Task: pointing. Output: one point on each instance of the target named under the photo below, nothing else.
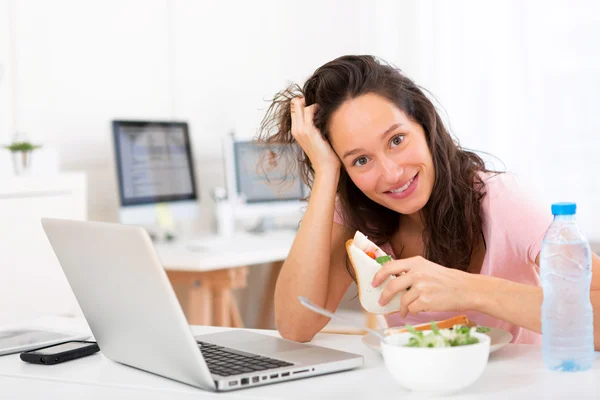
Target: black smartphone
(61, 352)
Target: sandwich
(366, 259)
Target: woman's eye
(361, 161)
(396, 140)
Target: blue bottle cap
(564, 208)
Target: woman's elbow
(294, 332)
(595, 299)
(296, 336)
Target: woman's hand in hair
(431, 287)
(318, 150)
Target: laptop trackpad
(252, 342)
(270, 346)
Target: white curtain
(517, 79)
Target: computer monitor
(256, 189)
(154, 166)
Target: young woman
(378, 159)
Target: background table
(210, 268)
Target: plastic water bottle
(566, 271)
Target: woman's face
(384, 152)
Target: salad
(458, 335)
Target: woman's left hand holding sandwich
(433, 288)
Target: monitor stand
(164, 222)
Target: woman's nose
(391, 170)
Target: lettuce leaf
(383, 259)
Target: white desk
(213, 253)
(210, 268)
(514, 372)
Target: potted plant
(21, 154)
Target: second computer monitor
(257, 188)
(259, 181)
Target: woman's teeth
(403, 188)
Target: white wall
(6, 58)
(80, 64)
(518, 79)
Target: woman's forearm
(520, 304)
(515, 303)
(305, 272)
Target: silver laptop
(136, 318)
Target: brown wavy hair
(452, 216)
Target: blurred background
(516, 79)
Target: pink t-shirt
(513, 228)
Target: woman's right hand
(318, 150)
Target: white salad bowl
(437, 369)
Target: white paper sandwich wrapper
(365, 269)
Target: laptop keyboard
(224, 361)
